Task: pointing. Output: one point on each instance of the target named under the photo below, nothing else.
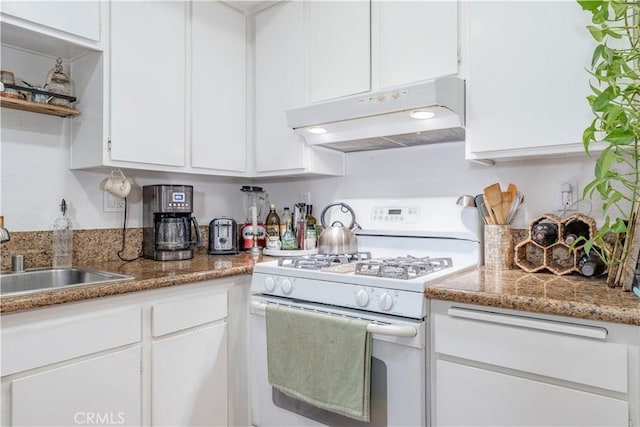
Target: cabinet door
(218, 82)
(80, 18)
(338, 48)
(414, 40)
(279, 86)
(189, 378)
(105, 390)
(471, 396)
(148, 57)
(527, 85)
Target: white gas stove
(403, 244)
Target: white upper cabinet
(280, 85)
(527, 84)
(413, 41)
(173, 90)
(148, 59)
(218, 87)
(358, 46)
(79, 18)
(338, 42)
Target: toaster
(223, 236)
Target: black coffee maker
(167, 218)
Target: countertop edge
(539, 305)
(10, 304)
(470, 286)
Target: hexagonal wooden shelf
(556, 256)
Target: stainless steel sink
(44, 279)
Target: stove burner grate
(317, 262)
(404, 268)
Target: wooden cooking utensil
(508, 199)
(491, 218)
(493, 199)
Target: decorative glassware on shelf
(59, 82)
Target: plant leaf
(603, 99)
(590, 5)
(621, 137)
(597, 32)
(597, 54)
(619, 227)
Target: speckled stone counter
(535, 292)
(147, 274)
(546, 293)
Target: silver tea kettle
(338, 239)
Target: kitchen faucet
(4, 233)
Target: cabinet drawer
(43, 343)
(554, 349)
(468, 396)
(178, 314)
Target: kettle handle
(345, 208)
(198, 241)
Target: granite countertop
(515, 289)
(148, 274)
(573, 296)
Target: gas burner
(317, 262)
(404, 268)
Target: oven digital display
(394, 212)
(177, 197)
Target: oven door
(398, 373)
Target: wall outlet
(569, 196)
(111, 203)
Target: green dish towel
(321, 359)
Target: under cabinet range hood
(422, 113)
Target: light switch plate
(111, 203)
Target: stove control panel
(338, 294)
(387, 214)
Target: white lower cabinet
(103, 390)
(202, 358)
(492, 366)
(157, 358)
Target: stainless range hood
(386, 119)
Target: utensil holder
(498, 247)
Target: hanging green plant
(615, 103)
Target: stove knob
(362, 298)
(385, 302)
(287, 286)
(269, 284)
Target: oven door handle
(407, 331)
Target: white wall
(439, 170)
(35, 176)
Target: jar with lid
(60, 83)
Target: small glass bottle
(272, 226)
(62, 239)
(311, 220)
(591, 265)
(289, 241)
(285, 219)
(545, 233)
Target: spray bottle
(62, 239)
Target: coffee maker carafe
(167, 218)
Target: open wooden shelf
(36, 107)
